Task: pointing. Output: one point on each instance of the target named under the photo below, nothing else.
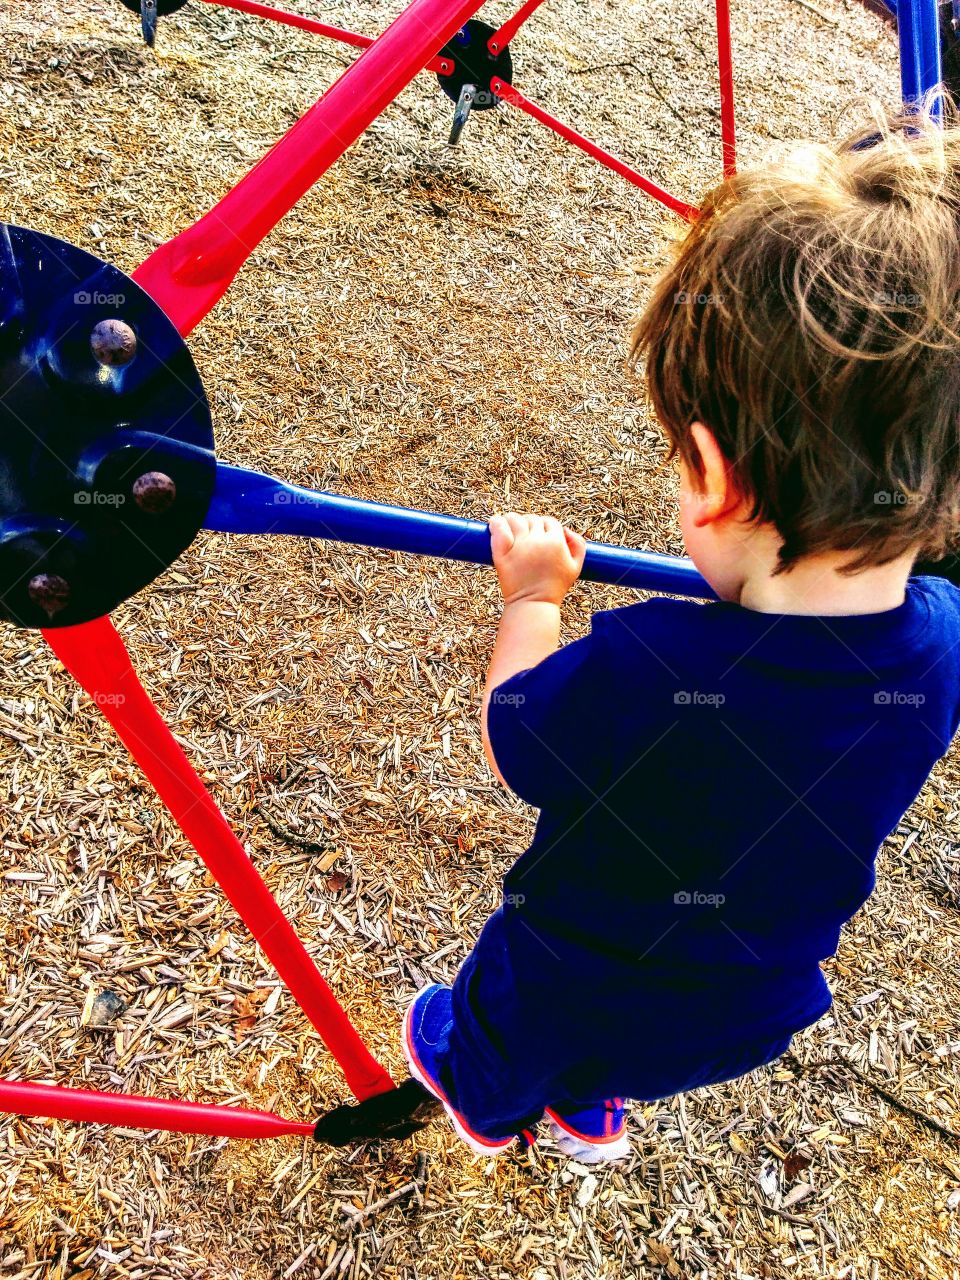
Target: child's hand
(535, 557)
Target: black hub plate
(473, 63)
(149, 10)
(81, 528)
(163, 6)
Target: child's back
(714, 780)
(714, 784)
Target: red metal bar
(512, 95)
(189, 274)
(725, 65)
(500, 39)
(296, 20)
(135, 1112)
(441, 66)
(95, 655)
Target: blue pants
(521, 1042)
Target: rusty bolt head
(154, 492)
(50, 592)
(113, 342)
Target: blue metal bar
(918, 30)
(251, 502)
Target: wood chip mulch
(442, 328)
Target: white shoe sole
(588, 1152)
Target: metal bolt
(113, 342)
(154, 492)
(494, 46)
(50, 592)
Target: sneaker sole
(482, 1146)
(615, 1146)
(590, 1153)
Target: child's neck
(816, 585)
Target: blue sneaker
(425, 1027)
(594, 1134)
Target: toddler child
(714, 780)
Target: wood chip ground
(442, 328)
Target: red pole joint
(501, 38)
(190, 274)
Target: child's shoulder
(660, 617)
(929, 619)
(657, 611)
(938, 604)
(941, 597)
(653, 638)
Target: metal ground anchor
(148, 12)
(148, 20)
(461, 112)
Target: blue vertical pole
(918, 29)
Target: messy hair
(811, 320)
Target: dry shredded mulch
(442, 328)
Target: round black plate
(163, 6)
(106, 444)
(473, 63)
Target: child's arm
(537, 562)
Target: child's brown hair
(812, 321)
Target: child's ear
(717, 494)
